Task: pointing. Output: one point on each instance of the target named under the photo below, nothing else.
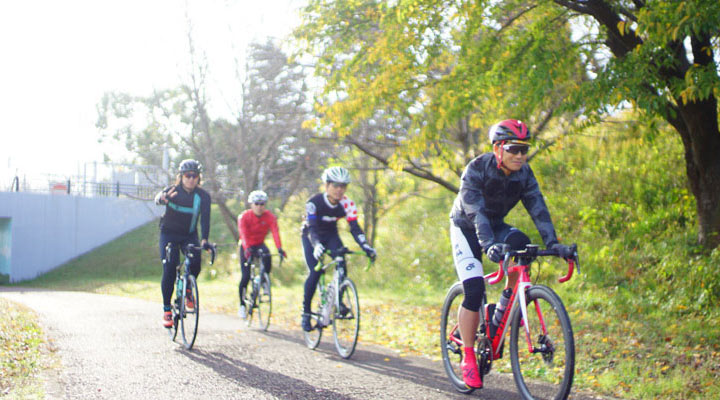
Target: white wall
(48, 230)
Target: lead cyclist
(491, 185)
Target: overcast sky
(59, 57)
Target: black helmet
(190, 165)
(510, 131)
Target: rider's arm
(311, 218)
(275, 231)
(472, 201)
(351, 214)
(534, 203)
(242, 230)
(204, 215)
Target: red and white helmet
(510, 131)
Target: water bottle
(179, 286)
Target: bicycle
(337, 304)
(260, 293)
(186, 307)
(551, 357)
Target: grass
(20, 352)
(627, 347)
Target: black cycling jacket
(184, 210)
(487, 195)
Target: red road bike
(542, 347)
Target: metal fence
(96, 180)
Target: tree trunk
(229, 218)
(701, 139)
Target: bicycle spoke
(346, 320)
(552, 359)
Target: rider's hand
(369, 251)
(318, 251)
(283, 254)
(205, 245)
(163, 197)
(496, 252)
(564, 251)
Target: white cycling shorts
(466, 265)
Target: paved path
(114, 348)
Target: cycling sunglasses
(190, 175)
(516, 148)
(338, 184)
(259, 203)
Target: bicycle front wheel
(552, 362)
(346, 319)
(189, 311)
(264, 302)
(452, 353)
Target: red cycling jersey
(253, 229)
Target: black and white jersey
(321, 218)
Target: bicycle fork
(522, 300)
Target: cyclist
(320, 232)
(185, 202)
(253, 226)
(491, 185)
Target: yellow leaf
(621, 27)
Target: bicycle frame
(321, 266)
(518, 298)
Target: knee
(474, 289)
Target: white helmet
(257, 196)
(336, 174)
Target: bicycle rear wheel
(346, 320)
(264, 302)
(553, 361)
(189, 311)
(452, 353)
(312, 338)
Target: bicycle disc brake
(547, 348)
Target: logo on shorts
(458, 253)
(470, 266)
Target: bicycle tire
(264, 302)
(312, 338)
(556, 366)
(190, 317)
(251, 303)
(173, 330)
(346, 328)
(452, 354)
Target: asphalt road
(114, 347)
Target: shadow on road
(276, 384)
(390, 365)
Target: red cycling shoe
(471, 375)
(167, 319)
(189, 301)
